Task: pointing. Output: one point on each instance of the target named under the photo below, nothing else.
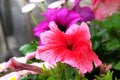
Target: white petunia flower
(72, 0)
(28, 8)
(36, 1)
(56, 4)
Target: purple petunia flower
(64, 17)
(85, 13)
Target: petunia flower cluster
(61, 40)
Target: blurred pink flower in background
(85, 13)
(3, 66)
(104, 8)
(17, 66)
(16, 75)
(11, 76)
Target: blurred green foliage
(107, 76)
(105, 36)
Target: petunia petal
(41, 27)
(82, 30)
(85, 13)
(48, 35)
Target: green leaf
(52, 77)
(117, 66)
(112, 45)
(24, 77)
(107, 76)
(27, 48)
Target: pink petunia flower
(17, 66)
(104, 8)
(16, 75)
(11, 76)
(3, 66)
(72, 47)
(30, 55)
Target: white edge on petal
(20, 59)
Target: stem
(33, 19)
(58, 70)
(66, 72)
(66, 4)
(77, 75)
(41, 6)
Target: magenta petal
(71, 18)
(85, 13)
(41, 27)
(64, 18)
(50, 14)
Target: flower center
(62, 28)
(1, 68)
(70, 46)
(13, 78)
